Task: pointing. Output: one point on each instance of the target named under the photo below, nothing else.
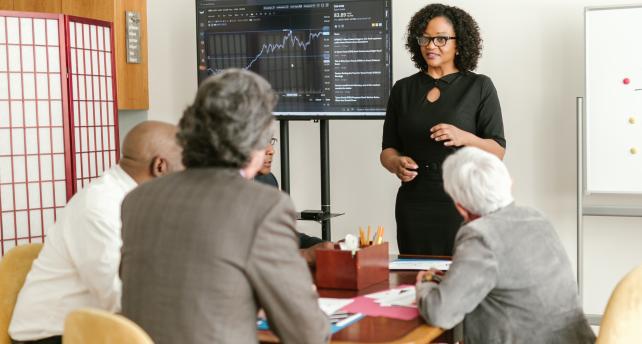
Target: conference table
(380, 329)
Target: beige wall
(534, 54)
(172, 62)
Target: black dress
(427, 220)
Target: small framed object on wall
(133, 37)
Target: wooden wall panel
(95, 9)
(133, 89)
(6, 5)
(49, 6)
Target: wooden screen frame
(75, 164)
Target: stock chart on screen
(324, 59)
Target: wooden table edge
(423, 334)
(420, 335)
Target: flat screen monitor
(325, 59)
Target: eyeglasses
(438, 41)
(273, 141)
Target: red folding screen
(93, 99)
(54, 136)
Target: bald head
(150, 150)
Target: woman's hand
(450, 135)
(404, 168)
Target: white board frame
(601, 146)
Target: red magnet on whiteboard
(626, 81)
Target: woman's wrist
(391, 163)
(388, 160)
(471, 140)
(488, 145)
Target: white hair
(477, 180)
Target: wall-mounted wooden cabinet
(133, 89)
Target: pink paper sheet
(367, 306)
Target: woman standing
(431, 113)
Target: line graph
(294, 41)
(291, 60)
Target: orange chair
(622, 321)
(14, 268)
(100, 327)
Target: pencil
(376, 237)
(368, 235)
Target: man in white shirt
(78, 265)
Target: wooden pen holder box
(337, 269)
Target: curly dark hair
(230, 118)
(469, 42)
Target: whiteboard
(613, 122)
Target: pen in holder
(364, 240)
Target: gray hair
(477, 180)
(230, 118)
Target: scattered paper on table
(419, 264)
(405, 299)
(329, 305)
(404, 296)
(390, 293)
(397, 303)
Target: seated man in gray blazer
(204, 248)
(510, 280)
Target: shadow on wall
(127, 120)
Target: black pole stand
(284, 131)
(325, 179)
(324, 216)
